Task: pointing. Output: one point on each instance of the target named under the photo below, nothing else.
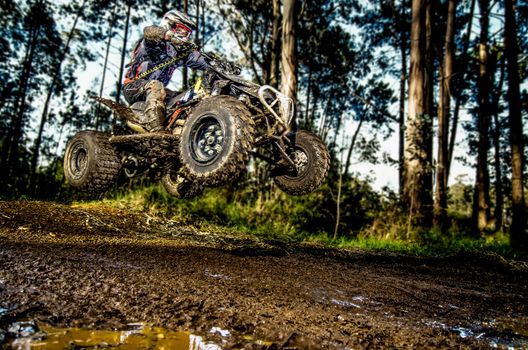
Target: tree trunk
(308, 96)
(44, 116)
(352, 144)
(462, 73)
(185, 71)
(499, 201)
(417, 179)
(103, 78)
(275, 44)
(20, 106)
(446, 71)
(481, 200)
(289, 52)
(401, 119)
(123, 53)
(518, 237)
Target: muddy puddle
(498, 333)
(38, 336)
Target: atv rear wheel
(178, 186)
(312, 161)
(91, 164)
(216, 141)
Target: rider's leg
(155, 106)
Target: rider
(162, 49)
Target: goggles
(182, 31)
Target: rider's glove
(178, 42)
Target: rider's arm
(154, 34)
(195, 60)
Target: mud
(96, 269)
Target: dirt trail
(104, 268)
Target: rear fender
(123, 111)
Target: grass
(291, 221)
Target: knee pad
(155, 90)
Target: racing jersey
(153, 50)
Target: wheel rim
(300, 159)
(207, 141)
(79, 160)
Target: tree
(41, 50)
(518, 236)
(417, 178)
(55, 76)
(481, 199)
(446, 72)
(289, 51)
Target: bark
(308, 96)
(103, 78)
(338, 205)
(518, 237)
(481, 200)
(246, 49)
(185, 72)
(417, 191)
(446, 71)
(352, 144)
(49, 95)
(289, 52)
(13, 139)
(401, 119)
(275, 44)
(123, 53)
(462, 73)
(499, 201)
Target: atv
(211, 131)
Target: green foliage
(376, 222)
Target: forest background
(424, 72)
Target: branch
(371, 105)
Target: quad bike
(210, 133)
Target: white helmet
(174, 18)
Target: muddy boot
(154, 114)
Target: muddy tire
(91, 164)
(216, 141)
(312, 159)
(178, 186)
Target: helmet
(179, 23)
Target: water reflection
(137, 336)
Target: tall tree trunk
(103, 78)
(20, 105)
(417, 179)
(481, 200)
(401, 119)
(462, 72)
(308, 96)
(499, 201)
(275, 44)
(518, 237)
(54, 79)
(123, 53)
(198, 24)
(289, 52)
(352, 144)
(446, 71)
(185, 71)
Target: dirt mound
(96, 267)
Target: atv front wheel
(178, 186)
(216, 141)
(91, 164)
(312, 160)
